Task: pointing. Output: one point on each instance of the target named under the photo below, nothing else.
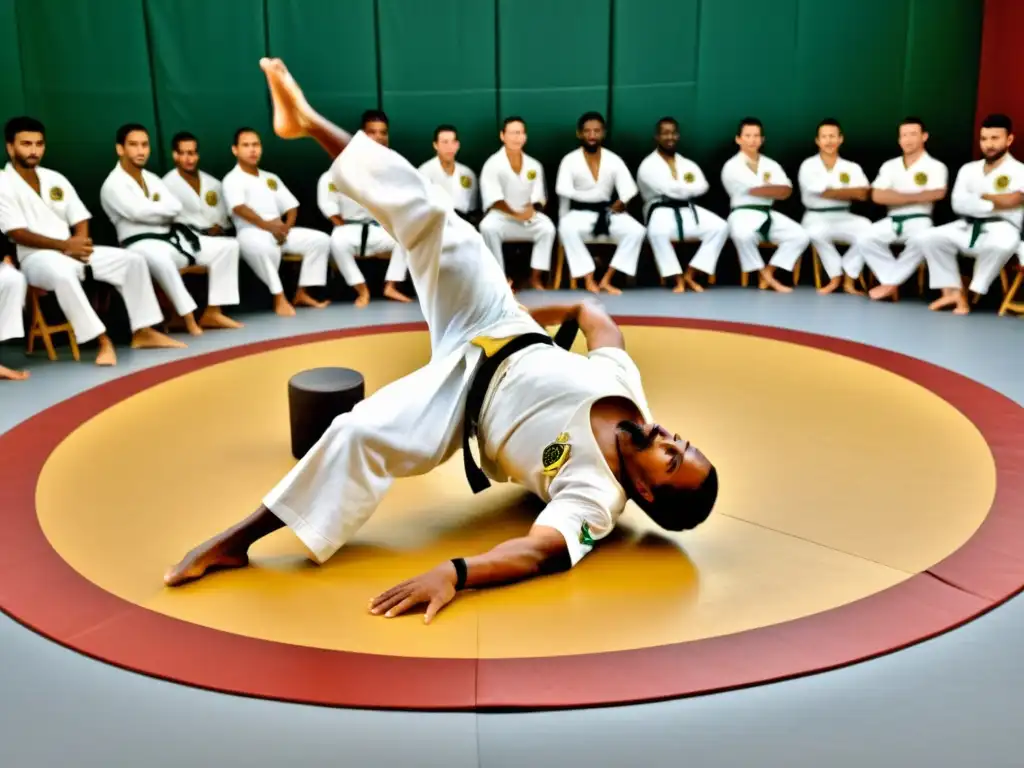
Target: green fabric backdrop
(86, 67)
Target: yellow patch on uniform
(555, 455)
(332, 187)
(272, 183)
(466, 182)
(531, 175)
(920, 178)
(689, 178)
(211, 199)
(1003, 182)
(767, 176)
(844, 178)
(56, 194)
(156, 197)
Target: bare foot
(283, 307)
(9, 375)
(880, 292)
(148, 338)
(191, 325)
(106, 355)
(680, 286)
(608, 288)
(947, 300)
(767, 280)
(392, 292)
(292, 113)
(303, 299)
(214, 555)
(833, 284)
(691, 281)
(850, 286)
(537, 282)
(215, 318)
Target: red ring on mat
(40, 590)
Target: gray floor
(953, 701)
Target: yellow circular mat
(839, 480)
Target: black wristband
(460, 572)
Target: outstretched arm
(597, 326)
(543, 550)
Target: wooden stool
(40, 329)
(316, 398)
(1009, 305)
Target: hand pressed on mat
(436, 587)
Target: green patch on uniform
(585, 537)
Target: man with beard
(513, 195)
(669, 183)
(573, 429)
(594, 186)
(264, 212)
(143, 211)
(455, 178)
(828, 186)
(48, 222)
(988, 195)
(356, 234)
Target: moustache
(636, 434)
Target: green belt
(978, 226)
(174, 237)
(897, 221)
(765, 228)
(676, 205)
(834, 208)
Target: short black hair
(22, 124)
(669, 120)
(998, 120)
(443, 128)
(512, 119)
(127, 128)
(749, 121)
(373, 116)
(681, 509)
(240, 131)
(181, 136)
(829, 121)
(586, 117)
(914, 120)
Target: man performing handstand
(574, 430)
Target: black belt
(481, 381)
(676, 205)
(603, 211)
(174, 237)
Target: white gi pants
(218, 254)
(414, 424)
(345, 242)
(263, 255)
(125, 270)
(13, 290)
(790, 238)
(873, 248)
(662, 231)
(825, 227)
(498, 227)
(575, 230)
(993, 249)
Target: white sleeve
(619, 363)
(134, 207)
(76, 210)
(734, 185)
(625, 186)
(563, 181)
(11, 216)
(857, 177)
(540, 191)
(490, 185)
(808, 181)
(170, 202)
(779, 176)
(699, 186)
(580, 520)
(474, 191)
(968, 203)
(326, 198)
(285, 199)
(884, 179)
(222, 212)
(234, 191)
(941, 176)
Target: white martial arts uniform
(202, 210)
(135, 211)
(990, 236)
(13, 290)
(268, 197)
(745, 223)
(659, 183)
(576, 227)
(498, 182)
(412, 425)
(347, 238)
(461, 185)
(903, 223)
(825, 220)
(52, 213)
